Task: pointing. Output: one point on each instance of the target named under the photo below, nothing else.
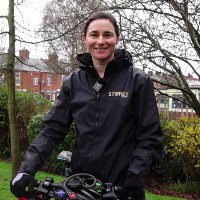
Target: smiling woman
(101, 40)
(118, 133)
(101, 35)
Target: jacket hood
(122, 57)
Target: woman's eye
(93, 35)
(108, 35)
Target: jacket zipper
(96, 124)
(97, 114)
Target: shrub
(35, 126)
(180, 162)
(170, 168)
(52, 164)
(188, 188)
(164, 121)
(183, 137)
(4, 123)
(26, 106)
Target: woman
(113, 106)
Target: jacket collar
(122, 58)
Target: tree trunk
(14, 135)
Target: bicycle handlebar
(76, 187)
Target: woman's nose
(100, 40)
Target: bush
(184, 143)
(26, 106)
(4, 123)
(176, 157)
(35, 126)
(170, 168)
(188, 188)
(52, 165)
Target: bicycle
(80, 186)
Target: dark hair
(101, 15)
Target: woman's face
(101, 40)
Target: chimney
(158, 74)
(190, 76)
(53, 59)
(150, 73)
(24, 54)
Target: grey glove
(19, 183)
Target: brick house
(40, 76)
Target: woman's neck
(100, 67)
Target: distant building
(174, 107)
(40, 76)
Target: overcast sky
(28, 15)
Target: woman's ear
(117, 41)
(84, 40)
(85, 43)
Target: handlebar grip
(56, 185)
(75, 197)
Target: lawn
(5, 175)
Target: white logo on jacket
(118, 94)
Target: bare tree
(163, 36)
(62, 26)
(15, 148)
(7, 63)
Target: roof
(32, 65)
(194, 83)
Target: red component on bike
(73, 196)
(39, 197)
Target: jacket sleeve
(149, 136)
(55, 127)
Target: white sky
(28, 15)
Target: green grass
(5, 176)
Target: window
(48, 95)
(176, 104)
(53, 98)
(162, 98)
(49, 79)
(178, 101)
(42, 92)
(62, 77)
(35, 80)
(17, 79)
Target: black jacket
(118, 127)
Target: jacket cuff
(134, 181)
(22, 170)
